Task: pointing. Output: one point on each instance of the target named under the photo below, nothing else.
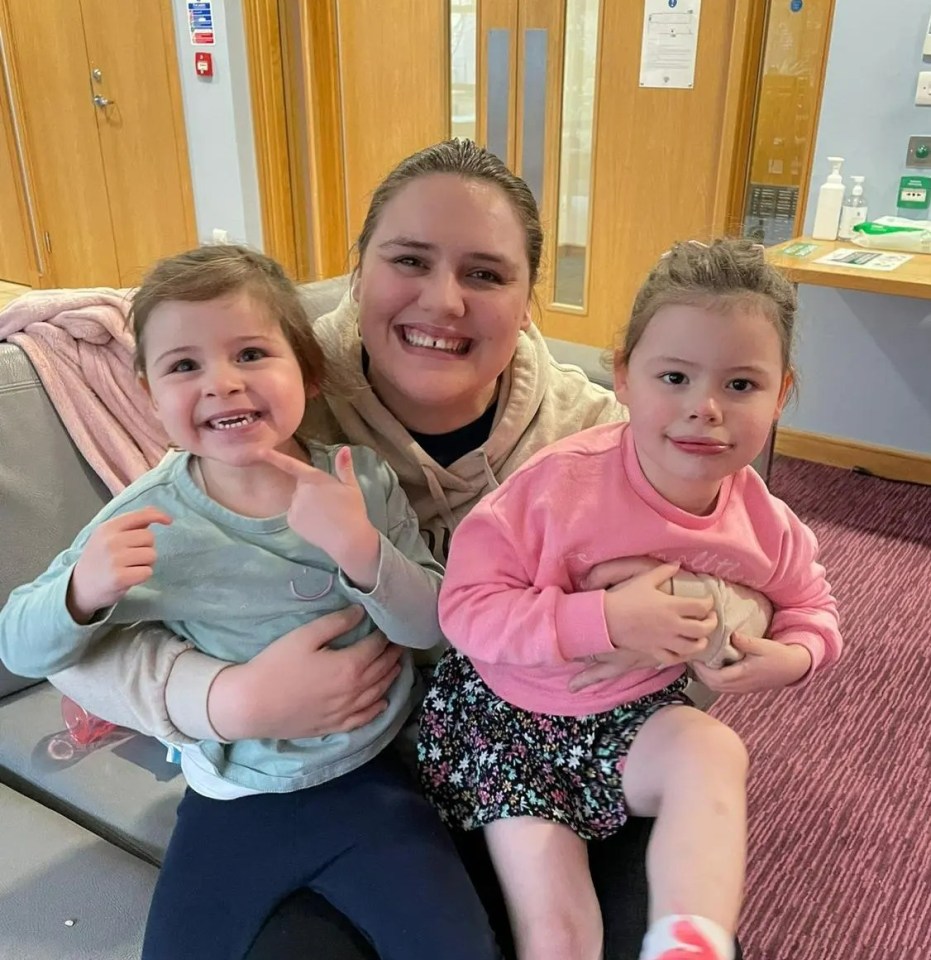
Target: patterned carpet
(840, 794)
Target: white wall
(218, 119)
(864, 359)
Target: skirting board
(885, 462)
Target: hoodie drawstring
(439, 497)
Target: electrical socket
(220, 236)
(923, 90)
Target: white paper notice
(670, 41)
(864, 259)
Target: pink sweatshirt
(510, 602)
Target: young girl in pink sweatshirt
(704, 368)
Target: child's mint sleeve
(37, 633)
(403, 602)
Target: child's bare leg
(689, 771)
(543, 869)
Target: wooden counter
(911, 279)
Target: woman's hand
(609, 666)
(298, 687)
(641, 616)
(611, 573)
(767, 665)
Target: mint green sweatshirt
(231, 585)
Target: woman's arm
(147, 679)
(125, 675)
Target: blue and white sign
(200, 21)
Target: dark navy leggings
(367, 842)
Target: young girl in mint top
(705, 371)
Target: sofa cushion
(322, 296)
(125, 791)
(47, 490)
(54, 872)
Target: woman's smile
(434, 340)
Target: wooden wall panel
(394, 79)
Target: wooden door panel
(142, 137)
(16, 258)
(658, 161)
(47, 52)
(394, 81)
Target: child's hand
(119, 554)
(767, 665)
(330, 513)
(641, 616)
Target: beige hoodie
(539, 401)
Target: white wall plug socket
(222, 236)
(923, 92)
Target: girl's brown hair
(728, 274)
(465, 159)
(217, 270)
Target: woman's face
(443, 292)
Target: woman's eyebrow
(409, 243)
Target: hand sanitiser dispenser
(853, 210)
(830, 202)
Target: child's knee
(562, 934)
(714, 744)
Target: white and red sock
(685, 937)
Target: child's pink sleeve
(492, 610)
(806, 610)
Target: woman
(435, 363)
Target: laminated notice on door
(670, 42)
(200, 21)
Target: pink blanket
(82, 350)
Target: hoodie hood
(538, 402)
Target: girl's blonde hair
(729, 274)
(217, 270)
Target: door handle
(102, 101)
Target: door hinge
(48, 243)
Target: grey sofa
(80, 840)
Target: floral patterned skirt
(482, 759)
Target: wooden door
(661, 168)
(16, 255)
(131, 47)
(46, 49)
(394, 84)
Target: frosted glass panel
(575, 155)
(463, 17)
(784, 128)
